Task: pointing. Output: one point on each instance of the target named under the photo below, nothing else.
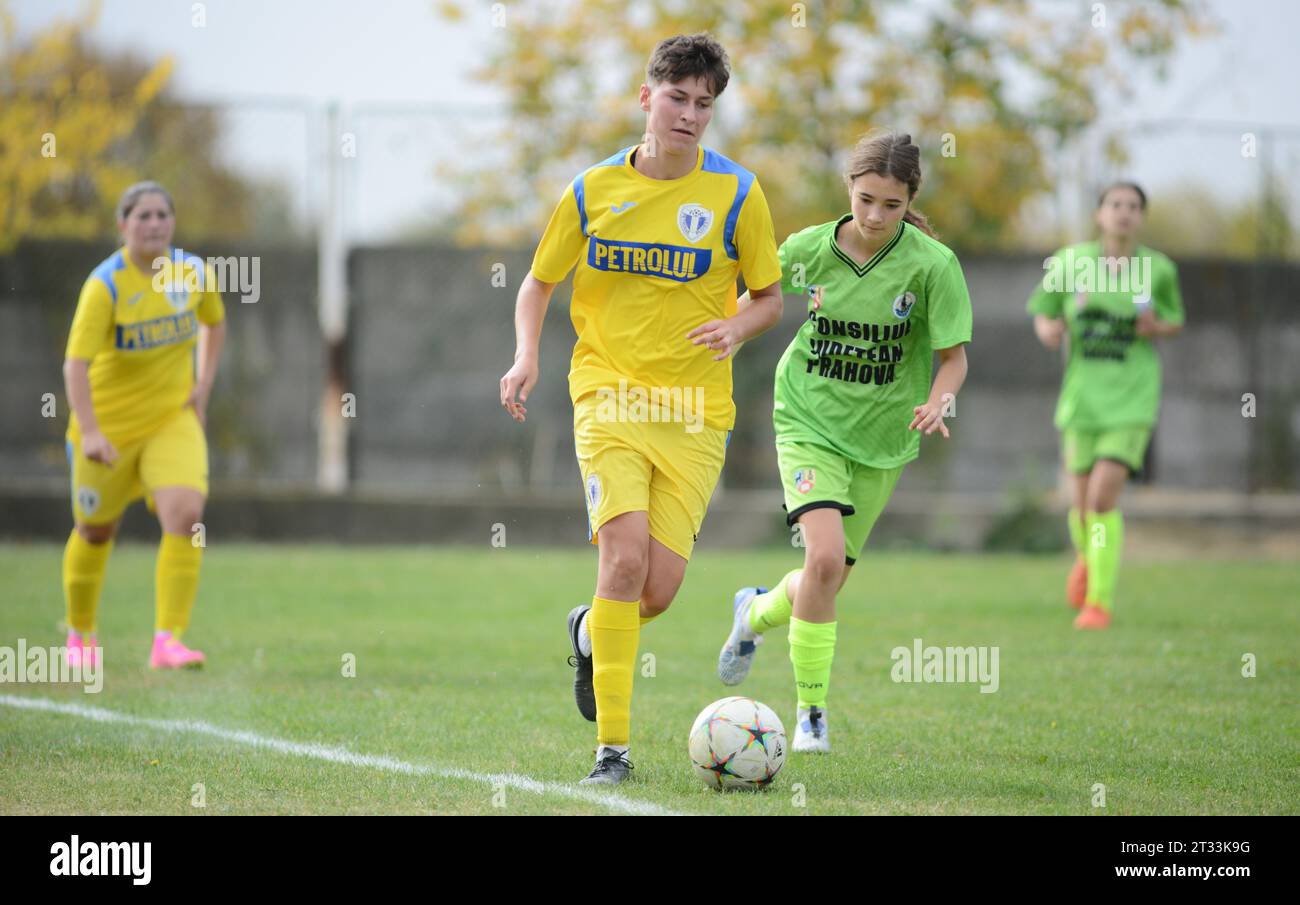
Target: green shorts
(1126, 445)
(814, 477)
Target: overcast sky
(269, 62)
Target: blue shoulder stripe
(716, 163)
(579, 184)
(104, 272)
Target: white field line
(338, 755)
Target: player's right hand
(96, 448)
(1049, 330)
(520, 379)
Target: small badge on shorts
(804, 479)
(593, 491)
(903, 305)
(87, 499)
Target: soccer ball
(737, 743)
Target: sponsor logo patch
(804, 479)
(903, 305)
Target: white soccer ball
(737, 743)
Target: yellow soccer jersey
(657, 258)
(140, 341)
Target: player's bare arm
(211, 340)
(758, 311)
(530, 310)
(1049, 330)
(947, 383)
(76, 382)
(1151, 327)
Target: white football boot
(811, 734)
(737, 653)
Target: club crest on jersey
(817, 294)
(804, 479)
(179, 297)
(903, 305)
(694, 221)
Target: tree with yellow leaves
(987, 88)
(77, 127)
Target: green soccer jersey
(1112, 377)
(862, 359)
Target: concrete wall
(431, 337)
(427, 363)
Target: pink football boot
(81, 650)
(169, 653)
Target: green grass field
(461, 675)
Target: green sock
(1105, 543)
(812, 648)
(773, 608)
(1076, 530)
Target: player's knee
(181, 518)
(624, 566)
(655, 600)
(1099, 503)
(658, 596)
(97, 534)
(823, 567)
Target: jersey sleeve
(756, 242)
(562, 242)
(211, 309)
(794, 265)
(948, 307)
(1048, 302)
(783, 258)
(1166, 296)
(93, 322)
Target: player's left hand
(720, 336)
(1146, 324)
(199, 402)
(929, 418)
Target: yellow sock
(615, 629)
(83, 576)
(177, 582)
(645, 619)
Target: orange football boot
(1092, 616)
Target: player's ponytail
(919, 220)
(892, 155)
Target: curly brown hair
(688, 56)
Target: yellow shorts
(175, 455)
(657, 467)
